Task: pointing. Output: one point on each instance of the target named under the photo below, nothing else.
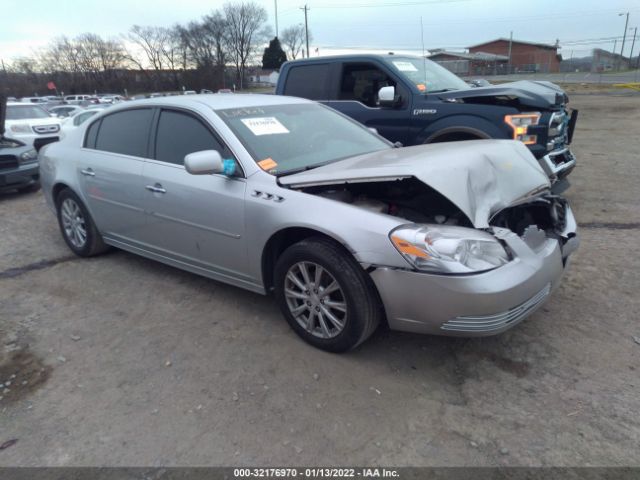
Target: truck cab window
(362, 81)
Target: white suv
(76, 99)
(31, 124)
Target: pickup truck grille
(46, 129)
(8, 161)
(560, 130)
(558, 124)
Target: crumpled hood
(480, 177)
(536, 94)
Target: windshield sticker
(422, 87)
(405, 66)
(264, 126)
(241, 112)
(267, 164)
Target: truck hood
(535, 94)
(480, 177)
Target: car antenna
(424, 58)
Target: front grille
(490, 323)
(8, 161)
(46, 129)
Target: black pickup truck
(412, 100)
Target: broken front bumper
(558, 164)
(479, 304)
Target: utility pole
(510, 43)
(276, 5)
(624, 36)
(306, 26)
(633, 43)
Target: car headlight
(21, 128)
(29, 156)
(448, 249)
(520, 124)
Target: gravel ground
(119, 360)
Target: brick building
(525, 56)
(467, 64)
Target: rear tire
(77, 227)
(325, 295)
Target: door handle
(157, 188)
(88, 172)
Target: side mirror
(203, 163)
(387, 97)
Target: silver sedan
(285, 196)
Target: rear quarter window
(308, 81)
(91, 135)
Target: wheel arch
(280, 241)
(457, 133)
(57, 188)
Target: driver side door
(194, 220)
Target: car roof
(353, 56)
(22, 104)
(214, 101)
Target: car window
(362, 81)
(426, 75)
(180, 134)
(24, 112)
(286, 138)
(92, 134)
(81, 117)
(308, 81)
(125, 132)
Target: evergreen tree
(274, 55)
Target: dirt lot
(120, 360)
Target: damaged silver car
(285, 196)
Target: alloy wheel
(73, 223)
(315, 299)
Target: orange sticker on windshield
(267, 164)
(422, 87)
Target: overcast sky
(338, 26)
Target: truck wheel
(77, 227)
(325, 295)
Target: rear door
(356, 95)
(110, 172)
(194, 219)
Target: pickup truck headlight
(21, 128)
(520, 124)
(448, 249)
(29, 156)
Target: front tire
(325, 295)
(77, 227)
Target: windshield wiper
(444, 90)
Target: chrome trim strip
(497, 321)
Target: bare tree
(151, 43)
(293, 39)
(245, 33)
(206, 43)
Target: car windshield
(287, 138)
(427, 76)
(24, 112)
